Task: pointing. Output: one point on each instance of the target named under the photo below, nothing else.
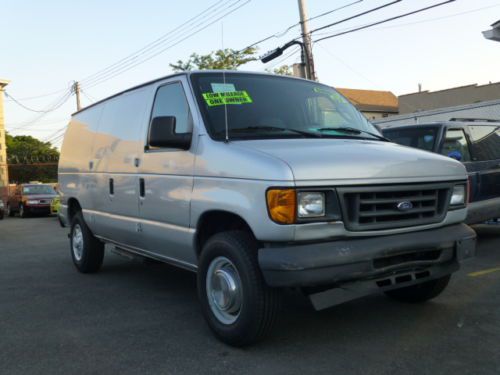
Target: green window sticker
(224, 98)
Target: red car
(31, 199)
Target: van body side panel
(117, 146)
(75, 162)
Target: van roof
(187, 73)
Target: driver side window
(170, 100)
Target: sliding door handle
(142, 188)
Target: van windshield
(266, 106)
(423, 138)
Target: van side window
(485, 142)
(455, 145)
(170, 100)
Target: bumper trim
(352, 259)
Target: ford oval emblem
(404, 206)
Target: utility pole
(76, 89)
(306, 39)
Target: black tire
(1, 215)
(90, 258)
(420, 292)
(22, 212)
(260, 303)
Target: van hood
(354, 159)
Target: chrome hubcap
(224, 290)
(77, 242)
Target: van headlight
(310, 204)
(458, 196)
(289, 206)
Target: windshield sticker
(221, 98)
(223, 87)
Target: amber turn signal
(282, 205)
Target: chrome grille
(394, 206)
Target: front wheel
(420, 292)
(237, 304)
(87, 251)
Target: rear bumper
(38, 209)
(374, 258)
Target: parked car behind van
(258, 183)
(475, 143)
(29, 199)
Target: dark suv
(474, 142)
(31, 199)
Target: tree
(285, 70)
(30, 159)
(229, 59)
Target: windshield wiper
(276, 128)
(348, 129)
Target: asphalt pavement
(143, 318)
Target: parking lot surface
(142, 318)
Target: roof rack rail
(469, 119)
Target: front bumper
(421, 255)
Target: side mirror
(162, 134)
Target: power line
(356, 16)
(152, 44)
(88, 96)
(332, 11)
(384, 21)
(282, 33)
(438, 18)
(120, 71)
(55, 105)
(41, 96)
(153, 53)
(22, 105)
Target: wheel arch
(73, 208)
(217, 221)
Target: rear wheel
(237, 304)
(420, 292)
(87, 251)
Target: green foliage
(24, 156)
(284, 70)
(229, 59)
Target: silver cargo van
(258, 183)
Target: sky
(46, 45)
